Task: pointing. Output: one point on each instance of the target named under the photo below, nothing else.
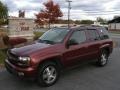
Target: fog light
(20, 73)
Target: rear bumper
(22, 72)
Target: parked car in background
(58, 49)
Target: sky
(80, 9)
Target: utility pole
(69, 8)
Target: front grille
(12, 57)
(10, 69)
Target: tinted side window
(78, 36)
(104, 33)
(93, 35)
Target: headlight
(24, 61)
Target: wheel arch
(105, 47)
(56, 60)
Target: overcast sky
(81, 9)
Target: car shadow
(67, 76)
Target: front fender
(36, 60)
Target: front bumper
(22, 72)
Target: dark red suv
(57, 49)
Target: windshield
(53, 36)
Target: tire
(103, 59)
(48, 74)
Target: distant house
(114, 25)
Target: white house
(114, 25)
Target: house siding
(114, 27)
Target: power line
(93, 14)
(94, 10)
(88, 12)
(100, 11)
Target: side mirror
(72, 42)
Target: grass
(115, 32)
(2, 56)
(38, 34)
(2, 52)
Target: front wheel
(48, 74)
(103, 60)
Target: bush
(17, 40)
(6, 40)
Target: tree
(116, 17)
(50, 14)
(3, 13)
(101, 20)
(77, 22)
(87, 22)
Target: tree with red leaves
(50, 14)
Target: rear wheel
(48, 74)
(103, 60)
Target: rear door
(93, 39)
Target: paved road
(116, 38)
(115, 35)
(86, 77)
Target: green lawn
(2, 53)
(2, 57)
(115, 32)
(38, 34)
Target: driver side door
(77, 52)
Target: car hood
(27, 50)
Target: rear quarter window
(103, 33)
(93, 35)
